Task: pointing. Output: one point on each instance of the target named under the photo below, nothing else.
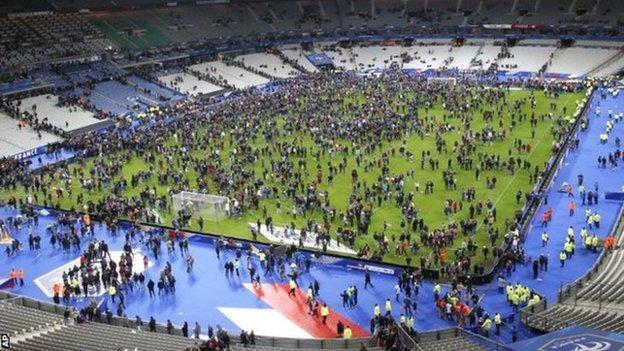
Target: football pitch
(401, 157)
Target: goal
(209, 207)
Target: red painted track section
(295, 308)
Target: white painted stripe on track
(264, 321)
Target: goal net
(209, 207)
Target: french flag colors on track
(295, 308)
(264, 321)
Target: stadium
(311, 175)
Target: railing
(546, 323)
(406, 339)
(482, 341)
(527, 312)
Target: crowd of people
(346, 127)
(253, 159)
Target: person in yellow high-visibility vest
(324, 313)
(562, 258)
(594, 242)
(486, 326)
(588, 242)
(377, 310)
(410, 323)
(532, 301)
(388, 305)
(347, 334)
(509, 289)
(568, 249)
(112, 292)
(498, 321)
(596, 217)
(515, 301)
(544, 239)
(436, 291)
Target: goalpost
(209, 207)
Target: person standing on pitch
(367, 279)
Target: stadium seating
(96, 71)
(453, 339)
(15, 139)
(283, 344)
(188, 84)
(429, 55)
(487, 55)
(30, 39)
(526, 58)
(100, 101)
(68, 118)
(577, 61)
(123, 97)
(33, 329)
(162, 94)
(16, 320)
(62, 55)
(232, 75)
(269, 348)
(611, 66)
(562, 316)
(341, 57)
(368, 57)
(95, 336)
(463, 56)
(298, 56)
(270, 64)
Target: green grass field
(430, 206)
